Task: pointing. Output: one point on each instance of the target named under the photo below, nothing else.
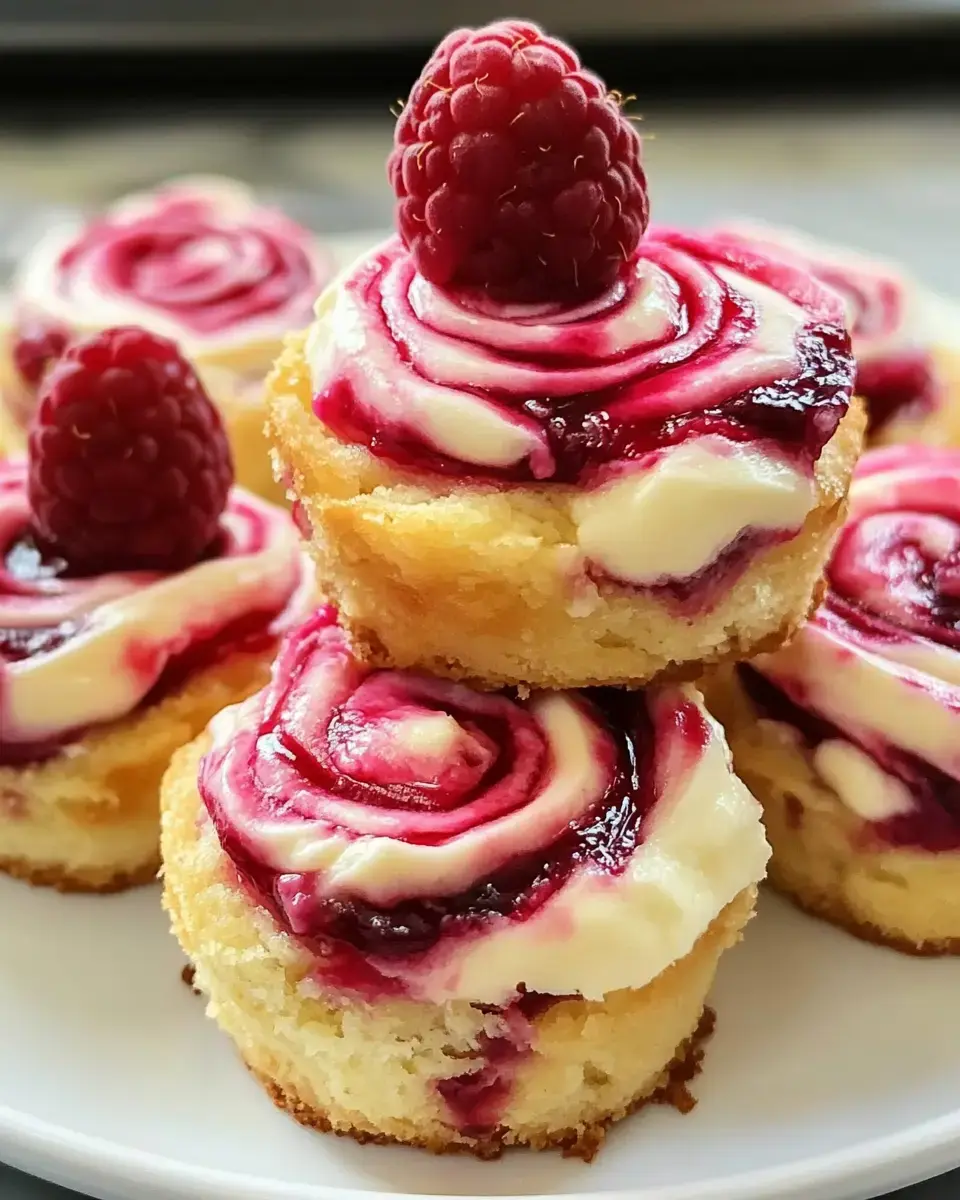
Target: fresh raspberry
(129, 466)
(515, 170)
(36, 346)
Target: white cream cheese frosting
(341, 790)
(114, 635)
(671, 519)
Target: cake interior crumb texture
(88, 818)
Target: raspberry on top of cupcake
(849, 734)
(135, 581)
(637, 417)
(491, 891)
(197, 260)
(905, 338)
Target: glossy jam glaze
(701, 335)
(889, 317)
(399, 825)
(196, 260)
(877, 669)
(80, 652)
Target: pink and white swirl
(428, 839)
(891, 320)
(76, 653)
(873, 680)
(199, 261)
(700, 335)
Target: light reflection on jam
(24, 563)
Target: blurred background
(842, 116)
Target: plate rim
(866, 1169)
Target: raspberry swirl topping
(692, 337)
(872, 682)
(889, 317)
(79, 652)
(426, 839)
(706, 359)
(196, 260)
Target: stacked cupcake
(461, 874)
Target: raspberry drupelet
(139, 594)
(37, 348)
(538, 443)
(515, 170)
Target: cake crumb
(188, 975)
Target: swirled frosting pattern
(708, 360)
(80, 652)
(699, 334)
(890, 319)
(427, 839)
(872, 682)
(197, 260)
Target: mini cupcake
(535, 446)
(906, 339)
(849, 735)
(452, 918)
(139, 594)
(197, 260)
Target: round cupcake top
(679, 416)
(873, 680)
(427, 839)
(198, 260)
(889, 316)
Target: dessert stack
(461, 874)
(455, 854)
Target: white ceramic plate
(834, 1074)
